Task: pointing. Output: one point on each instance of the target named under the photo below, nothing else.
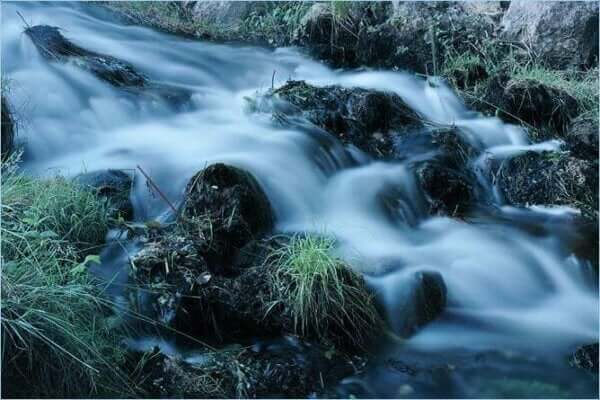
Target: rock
(8, 128)
(112, 184)
(563, 34)
(586, 357)
(364, 118)
(420, 298)
(225, 14)
(582, 138)
(549, 178)
(285, 368)
(235, 206)
(447, 181)
(53, 46)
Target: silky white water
(507, 288)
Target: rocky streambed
(283, 229)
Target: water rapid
(508, 289)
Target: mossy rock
(229, 207)
(549, 178)
(367, 119)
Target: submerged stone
(420, 299)
(586, 357)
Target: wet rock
(364, 118)
(53, 46)
(112, 184)
(563, 34)
(229, 207)
(549, 178)
(447, 181)
(586, 357)
(8, 128)
(420, 299)
(582, 139)
(276, 369)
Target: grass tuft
(326, 297)
(55, 339)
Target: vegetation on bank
(269, 23)
(56, 340)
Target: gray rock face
(227, 13)
(561, 33)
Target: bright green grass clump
(326, 297)
(55, 340)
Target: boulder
(229, 207)
(364, 118)
(561, 33)
(8, 128)
(586, 357)
(113, 185)
(549, 178)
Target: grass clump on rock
(325, 297)
(55, 340)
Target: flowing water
(520, 297)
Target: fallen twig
(155, 187)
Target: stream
(518, 303)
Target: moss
(55, 339)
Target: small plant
(326, 298)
